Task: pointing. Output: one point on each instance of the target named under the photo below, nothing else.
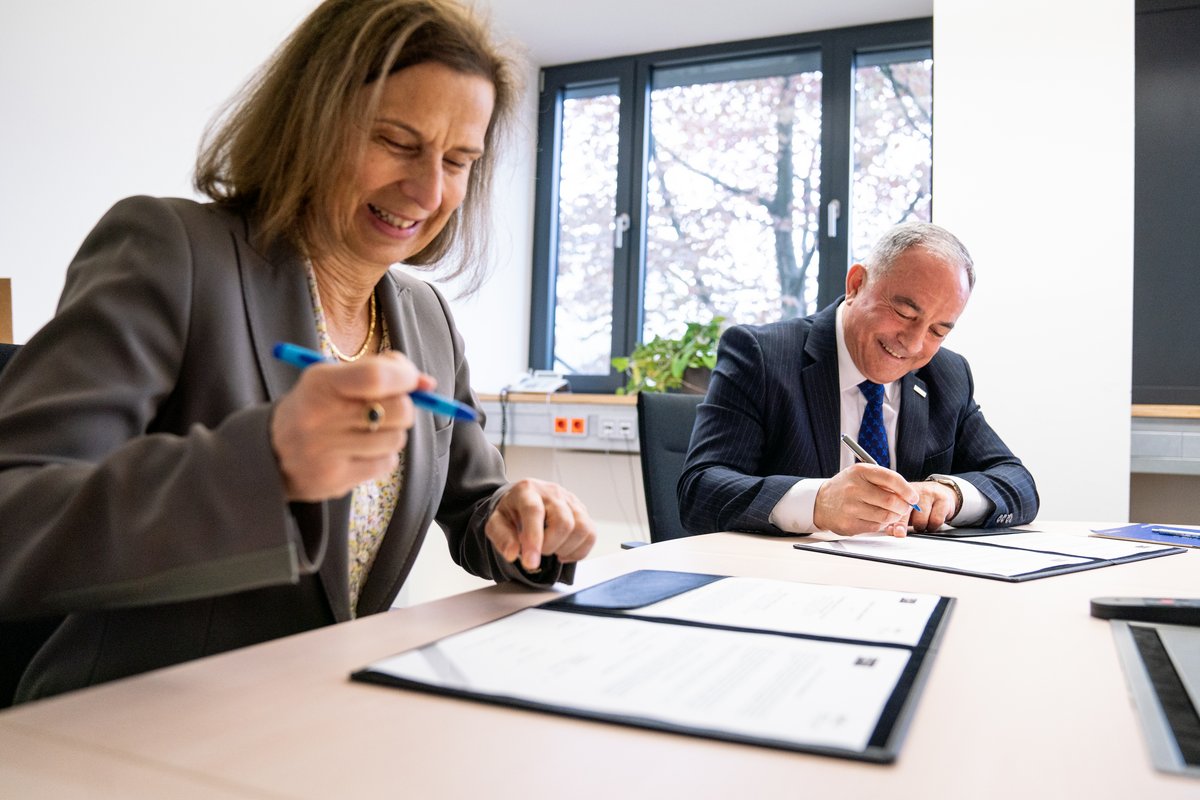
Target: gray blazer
(139, 494)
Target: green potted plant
(664, 365)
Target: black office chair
(664, 431)
(7, 351)
(21, 639)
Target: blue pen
(302, 357)
(1186, 533)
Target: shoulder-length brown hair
(283, 149)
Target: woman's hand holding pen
(343, 424)
(865, 498)
(536, 518)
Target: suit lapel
(913, 427)
(279, 309)
(402, 541)
(335, 571)
(821, 389)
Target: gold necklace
(362, 350)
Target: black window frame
(838, 50)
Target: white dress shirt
(794, 511)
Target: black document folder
(806, 667)
(1009, 556)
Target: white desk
(1026, 699)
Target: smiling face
(894, 323)
(430, 128)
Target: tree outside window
(729, 194)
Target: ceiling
(564, 31)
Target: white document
(1087, 546)
(841, 612)
(764, 686)
(952, 554)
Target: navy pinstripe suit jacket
(772, 416)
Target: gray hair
(926, 235)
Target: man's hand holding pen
(865, 498)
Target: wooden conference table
(1026, 699)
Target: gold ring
(374, 417)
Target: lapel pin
(919, 390)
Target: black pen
(865, 457)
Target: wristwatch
(945, 480)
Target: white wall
(1033, 169)
(104, 100)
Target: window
(679, 186)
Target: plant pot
(695, 380)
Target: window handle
(833, 213)
(620, 225)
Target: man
(766, 453)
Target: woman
(169, 488)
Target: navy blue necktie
(872, 435)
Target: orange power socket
(570, 426)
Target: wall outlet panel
(574, 426)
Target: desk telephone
(539, 381)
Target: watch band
(958, 495)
